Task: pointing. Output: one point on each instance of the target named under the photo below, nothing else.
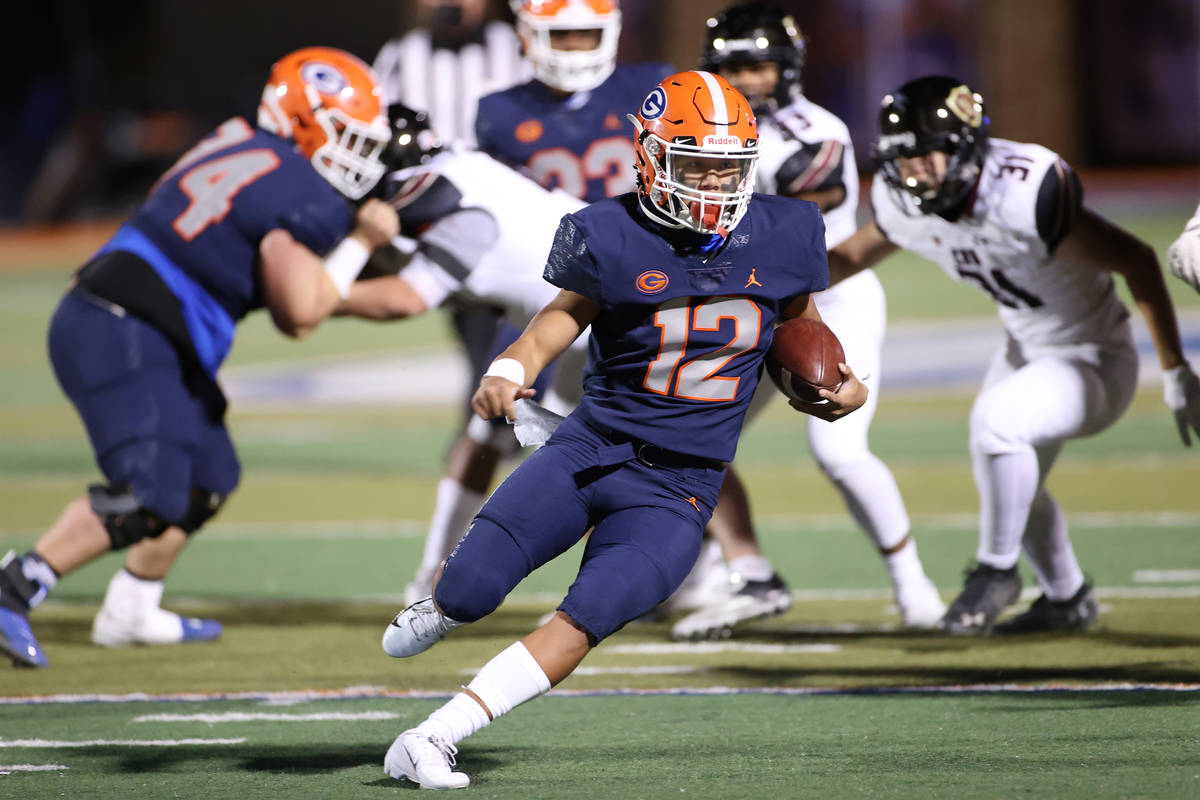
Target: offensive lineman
(1008, 218)
(806, 152)
(240, 222)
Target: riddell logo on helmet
(722, 141)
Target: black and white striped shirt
(448, 82)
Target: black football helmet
(412, 141)
(758, 32)
(935, 112)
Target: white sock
(1049, 549)
(1007, 484)
(871, 495)
(508, 680)
(752, 568)
(455, 508)
(904, 565)
(130, 595)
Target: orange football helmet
(569, 70)
(697, 152)
(330, 105)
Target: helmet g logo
(325, 78)
(963, 103)
(655, 104)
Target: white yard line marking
(8, 769)
(375, 693)
(1166, 576)
(707, 648)
(268, 698)
(236, 716)
(59, 743)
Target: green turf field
(306, 563)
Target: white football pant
(1031, 402)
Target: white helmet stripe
(718, 100)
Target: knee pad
(123, 515)
(202, 506)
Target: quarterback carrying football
(676, 347)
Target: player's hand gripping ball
(804, 358)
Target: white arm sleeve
(429, 280)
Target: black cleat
(1045, 615)
(987, 593)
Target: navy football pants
(646, 537)
(147, 429)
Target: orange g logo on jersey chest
(652, 281)
(529, 131)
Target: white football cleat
(425, 760)
(920, 604)
(153, 626)
(751, 600)
(131, 615)
(416, 629)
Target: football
(804, 358)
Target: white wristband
(508, 368)
(344, 263)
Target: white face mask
(570, 70)
(702, 188)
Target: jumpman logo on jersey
(696, 505)
(752, 281)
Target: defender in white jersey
(805, 151)
(1008, 219)
(1183, 256)
(482, 231)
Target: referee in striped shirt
(445, 66)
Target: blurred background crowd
(101, 96)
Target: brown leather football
(803, 358)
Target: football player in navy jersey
(253, 216)
(678, 337)
(566, 129)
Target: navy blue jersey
(581, 143)
(202, 224)
(677, 349)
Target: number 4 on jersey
(212, 186)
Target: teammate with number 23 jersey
(567, 125)
(678, 338)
